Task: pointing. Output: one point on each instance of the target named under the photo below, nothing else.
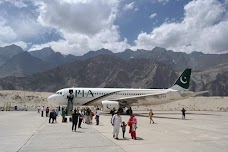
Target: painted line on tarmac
(32, 136)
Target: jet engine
(109, 105)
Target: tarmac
(27, 131)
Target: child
(123, 128)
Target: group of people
(52, 115)
(89, 114)
(84, 113)
(117, 122)
(42, 109)
(76, 116)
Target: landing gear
(113, 111)
(129, 111)
(121, 110)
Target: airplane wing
(134, 99)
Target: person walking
(116, 123)
(59, 108)
(132, 123)
(63, 115)
(52, 116)
(130, 112)
(81, 117)
(183, 113)
(97, 116)
(75, 116)
(57, 111)
(47, 111)
(151, 116)
(123, 126)
(38, 109)
(91, 116)
(113, 111)
(42, 111)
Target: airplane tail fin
(182, 83)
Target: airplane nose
(51, 98)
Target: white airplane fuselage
(95, 96)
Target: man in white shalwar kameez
(116, 123)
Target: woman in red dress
(132, 123)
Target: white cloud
(81, 29)
(81, 16)
(79, 44)
(17, 3)
(153, 15)
(28, 28)
(18, 23)
(7, 34)
(129, 6)
(204, 28)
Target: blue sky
(133, 22)
(79, 26)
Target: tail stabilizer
(182, 83)
(199, 93)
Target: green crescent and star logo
(184, 79)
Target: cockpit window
(58, 92)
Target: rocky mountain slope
(176, 60)
(52, 58)
(8, 52)
(23, 64)
(104, 68)
(109, 71)
(214, 80)
(100, 71)
(16, 62)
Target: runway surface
(26, 131)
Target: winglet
(183, 80)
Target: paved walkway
(27, 131)
(202, 131)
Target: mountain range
(47, 70)
(16, 62)
(100, 71)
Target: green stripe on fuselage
(99, 98)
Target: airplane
(110, 98)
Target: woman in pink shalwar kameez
(132, 123)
